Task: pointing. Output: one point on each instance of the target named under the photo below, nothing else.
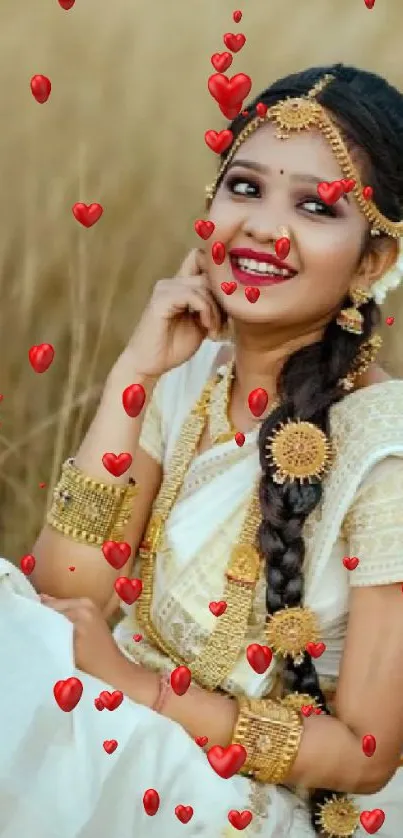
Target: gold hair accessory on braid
(289, 631)
(298, 451)
(339, 817)
(302, 113)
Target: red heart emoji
(117, 464)
(66, 4)
(228, 287)
(261, 109)
(227, 761)
(367, 193)
(307, 710)
(229, 92)
(390, 321)
(184, 813)
(87, 214)
(41, 356)
(237, 16)
(234, 42)
(218, 253)
(137, 638)
(245, 113)
(27, 564)
(348, 184)
(252, 294)
(68, 693)
(368, 744)
(315, 649)
(116, 553)
(218, 141)
(180, 680)
(330, 192)
(257, 401)
(351, 562)
(40, 88)
(42, 485)
(282, 247)
(110, 745)
(151, 802)
(231, 111)
(111, 700)
(133, 398)
(221, 61)
(128, 589)
(204, 229)
(1, 397)
(369, 4)
(240, 820)
(72, 567)
(239, 438)
(259, 657)
(372, 821)
(218, 608)
(99, 704)
(201, 741)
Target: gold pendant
(289, 631)
(339, 817)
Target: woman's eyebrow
(265, 170)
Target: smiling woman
(267, 550)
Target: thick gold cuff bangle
(89, 511)
(271, 734)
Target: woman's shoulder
(371, 417)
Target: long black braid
(370, 114)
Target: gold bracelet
(89, 511)
(271, 734)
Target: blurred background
(124, 127)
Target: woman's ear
(380, 257)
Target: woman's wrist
(126, 371)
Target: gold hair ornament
(339, 817)
(289, 631)
(364, 358)
(298, 451)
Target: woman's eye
(240, 186)
(317, 207)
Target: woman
(288, 537)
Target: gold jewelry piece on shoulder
(350, 319)
(363, 360)
(298, 451)
(271, 734)
(290, 630)
(339, 817)
(87, 510)
(298, 700)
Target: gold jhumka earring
(350, 319)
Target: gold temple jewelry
(305, 113)
(220, 426)
(363, 360)
(339, 817)
(298, 451)
(298, 700)
(350, 319)
(271, 734)
(89, 511)
(290, 630)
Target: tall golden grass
(124, 126)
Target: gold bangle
(89, 511)
(271, 734)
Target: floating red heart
(72, 567)
(218, 608)
(368, 744)
(151, 802)
(231, 111)
(180, 680)
(234, 42)
(137, 638)
(218, 253)
(116, 553)
(229, 92)
(351, 562)
(41, 356)
(184, 813)
(373, 820)
(218, 141)
(369, 4)
(237, 16)
(307, 710)
(348, 184)
(227, 761)
(315, 650)
(87, 214)
(239, 438)
(201, 741)
(99, 704)
(282, 247)
(110, 745)
(27, 564)
(252, 294)
(68, 693)
(245, 113)
(261, 109)
(40, 88)
(204, 229)
(133, 398)
(66, 4)
(390, 321)
(240, 820)
(257, 401)
(221, 61)
(42, 485)
(367, 193)
(128, 589)
(330, 192)
(259, 657)
(117, 464)
(111, 700)
(228, 287)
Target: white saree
(55, 779)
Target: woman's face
(270, 184)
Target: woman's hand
(95, 651)
(180, 314)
